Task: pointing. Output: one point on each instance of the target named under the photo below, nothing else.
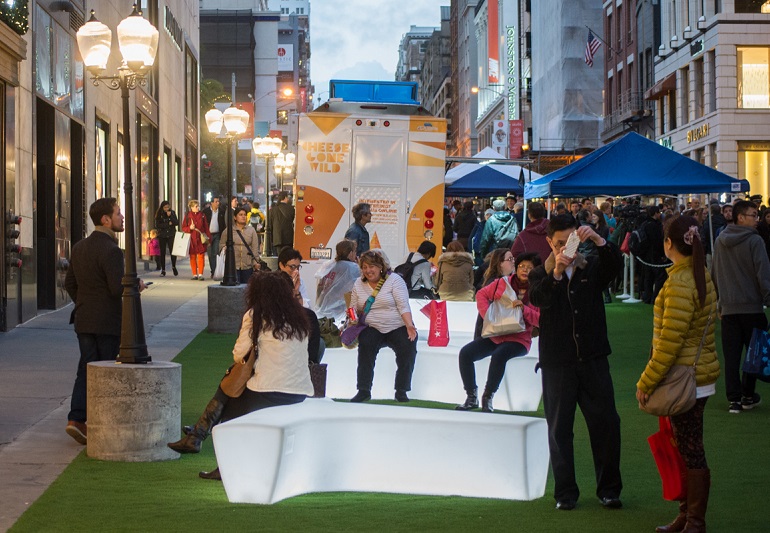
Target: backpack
(506, 234)
(638, 242)
(406, 269)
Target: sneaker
(78, 431)
(194, 278)
(735, 408)
(565, 505)
(611, 503)
(749, 403)
(200, 277)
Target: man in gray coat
(93, 282)
(741, 274)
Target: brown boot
(191, 442)
(698, 485)
(678, 523)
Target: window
(699, 87)
(752, 6)
(712, 81)
(191, 88)
(102, 172)
(753, 80)
(150, 12)
(282, 116)
(684, 94)
(753, 158)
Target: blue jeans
(92, 348)
(213, 251)
(370, 341)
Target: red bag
(438, 335)
(624, 247)
(673, 472)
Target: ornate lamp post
(283, 166)
(227, 127)
(267, 148)
(138, 42)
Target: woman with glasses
(389, 321)
(503, 347)
(166, 223)
(290, 262)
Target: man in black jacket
(215, 216)
(573, 359)
(465, 221)
(281, 224)
(93, 282)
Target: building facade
(712, 91)
(63, 140)
(465, 77)
(436, 81)
(411, 51)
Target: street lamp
(138, 42)
(284, 164)
(227, 127)
(267, 148)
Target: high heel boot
(471, 401)
(678, 523)
(486, 401)
(191, 442)
(698, 485)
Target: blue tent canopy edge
(633, 165)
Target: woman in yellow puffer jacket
(684, 308)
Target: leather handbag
(501, 318)
(351, 330)
(669, 461)
(204, 237)
(676, 392)
(234, 382)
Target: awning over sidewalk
(662, 87)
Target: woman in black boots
(167, 223)
(503, 347)
(683, 319)
(277, 324)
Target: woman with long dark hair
(166, 222)
(502, 347)
(277, 325)
(683, 326)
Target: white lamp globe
(94, 42)
(138, 41)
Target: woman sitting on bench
(276, 323)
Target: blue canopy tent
(633, 165)
(482, 179)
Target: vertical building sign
(285, 55)
(512, 68)
(493, 40)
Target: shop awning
(662, 87)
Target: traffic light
(12, 248)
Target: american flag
(592, 45)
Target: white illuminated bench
(436, 372)
(325, 446)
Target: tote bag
(219, 271)
(758, 355)
(669, 461)
(181, 244)
(501, 318)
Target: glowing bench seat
(325, 446)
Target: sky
(361, 41)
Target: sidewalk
(38, 361)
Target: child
(153, 248)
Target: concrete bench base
(324, 446)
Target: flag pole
(605, 43)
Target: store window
(753, 77)
(102, 156)
(698, 95)
(165, 192)
(752, 6)
(147, 153)
(752, 165)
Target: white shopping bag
(181, 244)
(219, 271)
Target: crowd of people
(698, 265)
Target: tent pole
(711, 232)
(625, 280)
(631, 299)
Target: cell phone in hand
(148, 283)
(572, 245)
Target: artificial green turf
(95, 495)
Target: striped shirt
(391, 302)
